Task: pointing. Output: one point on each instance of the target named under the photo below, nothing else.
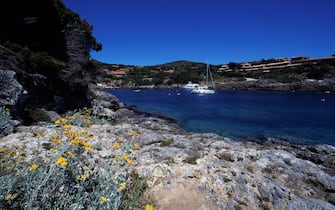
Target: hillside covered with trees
(288, 74)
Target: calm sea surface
(305, 118)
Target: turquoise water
(304, 118)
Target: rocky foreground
(206, 171)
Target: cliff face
(35, 24)
(47, 46)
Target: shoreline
(238, 86)
(178, 87)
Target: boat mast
(207, 68)
(210, 74)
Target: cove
(299, 117)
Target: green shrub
(5, 117)
(133, 198)
(83, 117)
(166, 142)
(192, 159)
(287, 161)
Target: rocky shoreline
(206, 171)
(326, 85)
(273, 85)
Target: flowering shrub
(62, 173)
(83, 117)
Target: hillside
(302, 74)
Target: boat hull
(203, 91)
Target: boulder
(10, 88)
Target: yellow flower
(70, 134)
(70, 154)
(89, 136)
(133, 133)
(85, 143)
(75, 142)
(61, 162)
(86, 168)
(61, 121)
(122, 187)
(55, 136)
(103, 199)
(136, 145)
(117, 157)
(149, 207)
(125, 157)
(38, 135)
(10, 197)
(33, 167)
(56, 139)
(52, 150)
(116, 145)
(67, 127)
(82, 177)
(72, 117)
(129, 161)
(88, 149)
(121, 138)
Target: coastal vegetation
(180, 72)
(60, 170)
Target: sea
(296, 117)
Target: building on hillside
(155, 70)
(117, 73)
(323, 58)
(281, 63)
(299, 59)
(246, 65)
(223, 68)
(169, 71)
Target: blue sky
(150, 32)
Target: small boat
(190, 85)
(136, 90)
(205, 89)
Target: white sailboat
(190, 85)
(205, 89)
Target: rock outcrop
(11, 89)
(51, 60)
(208, 171)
